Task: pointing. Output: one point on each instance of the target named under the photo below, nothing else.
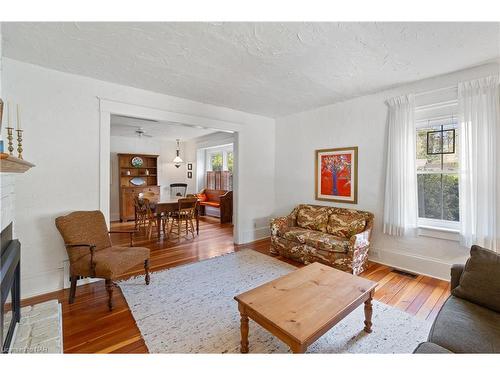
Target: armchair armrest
(130, 231)
(70, 245)
(456, 273)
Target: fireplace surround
(10, 272)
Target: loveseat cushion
(464, 327)
(312, 217)
(346, 224)
(480, 281)
(318, 240)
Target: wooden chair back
(187, 206)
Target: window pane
(450, 161)
(429, 196)
(438, 196)
(230, 161)
(437, 162)
(216, 161)
(426, 162)
(450, 197)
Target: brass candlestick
(10, 138)
(19, 143)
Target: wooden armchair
(91, 253)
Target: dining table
(170, 205)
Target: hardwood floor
(89, 327)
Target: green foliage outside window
(216, 161)
(230, 161)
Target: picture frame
(190, 175)
(336, 175)
(190, 166)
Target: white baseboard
(254, 235)
(41, 283)
(426, 266)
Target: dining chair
(150, 216)
(91, 253)
(184, 216)
(141, 218)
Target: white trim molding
(108, 107)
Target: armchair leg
(146, 268)
(72, 290)
(109, 289)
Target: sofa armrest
(360, 240)
(456, 273)
(280, 225)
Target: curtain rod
(436, 90)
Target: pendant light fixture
(177, 160)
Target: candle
(18, 119)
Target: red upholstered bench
(222, 200)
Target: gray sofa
(469, 321)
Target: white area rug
(190, 309)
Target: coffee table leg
(298, 349)
(244, 333)
(368, 314)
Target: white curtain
(478, 102)
(400, 205)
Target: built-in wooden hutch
(138, 174)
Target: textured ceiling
(272, 69)
(126, 127)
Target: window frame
(428, 223)
(217, 150)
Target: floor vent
(405, 273)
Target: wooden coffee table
(300, 307)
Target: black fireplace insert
(10, 296)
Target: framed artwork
(190, 174)
(190, 166)
(336, 174)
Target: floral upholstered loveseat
(338, 237)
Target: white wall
(61, 122)
(361, 122)
(167, 172)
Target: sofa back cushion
(345, 224)
(313, 217)
(480, 280)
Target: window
(216, 161)
(230, 161)
(220, 158)
(437, 173)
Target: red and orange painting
(336, 174)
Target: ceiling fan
(140, 132)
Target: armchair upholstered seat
(338, 237)
(91, 253)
